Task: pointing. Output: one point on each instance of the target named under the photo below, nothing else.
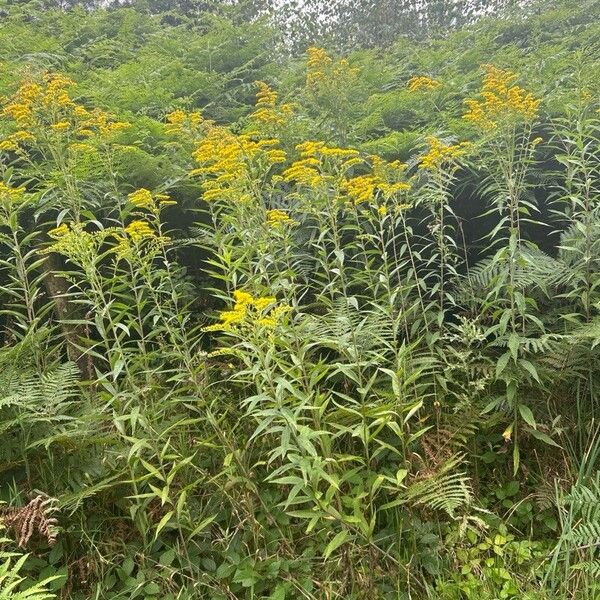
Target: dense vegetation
(280, 321)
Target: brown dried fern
(35, 517)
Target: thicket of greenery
(298, 324)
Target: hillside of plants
(300, 300)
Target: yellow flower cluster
(138, 241)
(139, 231)
(390, 176)
(277, 218)
(360, 189)
(75, 243)
(144, 199)
(20, 112)
(322, 70)
(228, 163)
(265, 96)
(318, 64)
(440, 153)
(38, 108)
(267, 112)
(59, 231)
(249, 310)
(386, 178)
(60, 126)
(308, 170)
(319, 164)
(141, 198)
(13, 141)
(99, 123)
(304, 172)
(56, 90)
(10, 196)
(500, 100)
(421, 82)
(31, 96)
(79, 147)
(179, 121)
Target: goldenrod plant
(295, 311)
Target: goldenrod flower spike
(440, 153)
(277, 218)
(142, 198)
(11, 194)
(421, 83)
(249, 311)
(59, 232)
(500, 101)
(267, 111)
(179, 121)
(139, 230)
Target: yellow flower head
(267, 111)
(29, 92)
(304, 172)
(142, 198)
(242, 298)
(60, 126)
(309, 149)
(318, 63)
(345, 153)
(265, 95)
(228, 164)
(420, 83)
(165, 200)
(361, 189)
(139, 231)
(440, 153)
(277, 218)
(13, 141)
(179, 121)
(326, 75)
(145, 199)
(100, 123)
(11, 194)
(79, 147)
(176, 119)
(56, 90)
(8, 146)
(248, 311)
(81, 112)
(501, 101)
(20, 112)
(59, 232)
(262, 303)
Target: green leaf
(528, 366)
(203, 525)
(152, 588)
(513, 345)
(163, 522)
(539, 435)
(501, 364)
(527, 415)
(127, 566)
(336, 542)
(280, 592)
